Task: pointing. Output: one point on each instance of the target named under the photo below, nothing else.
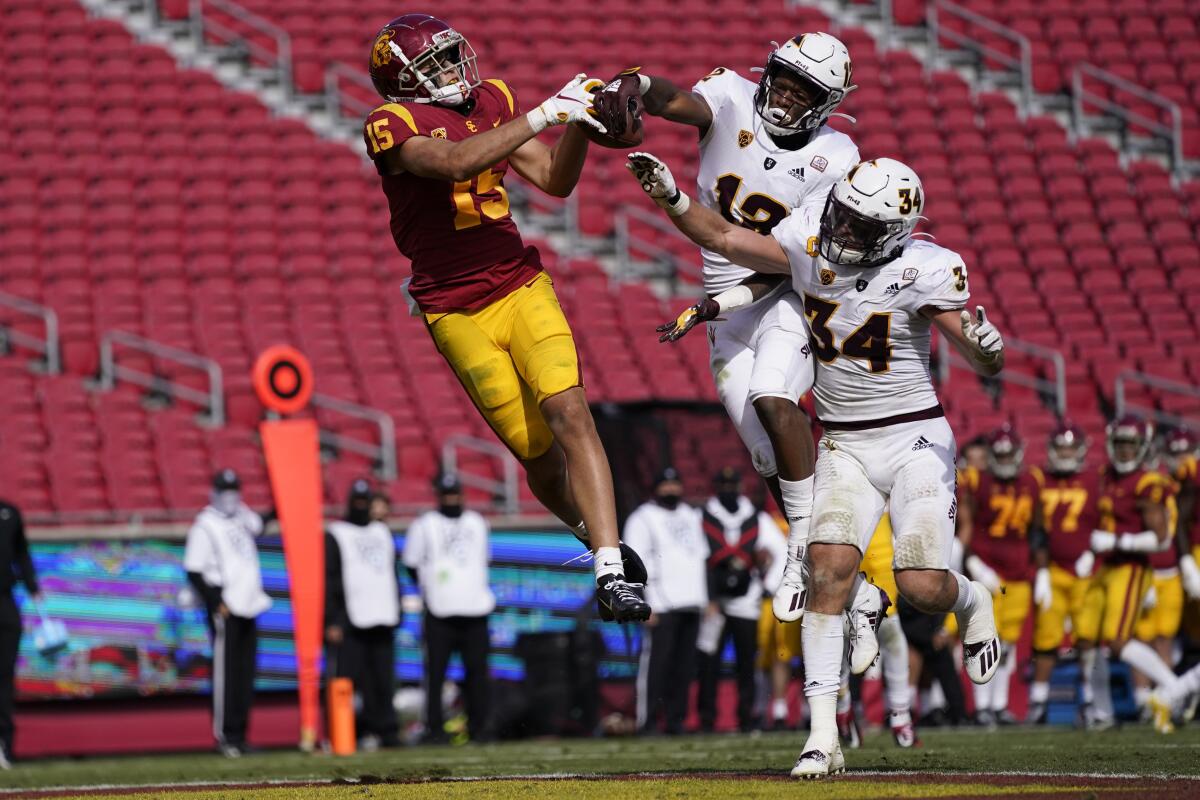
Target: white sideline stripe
(558, 776)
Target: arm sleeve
(197, 552)
(335, 591)
(21, 552)
(794, 234)
(943, 284)
(414, 546)
(388, 127)
(717, 87)
(210, 595)
(511, 107)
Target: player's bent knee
(926, 589)
(568, 416)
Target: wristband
(676, 206)
(538, 120)
(643, 84)
(734, 298)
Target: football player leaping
(764, 150)
(871, 296)
(442, 144)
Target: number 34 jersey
(465, 248)
(748, 179)
(866, 324)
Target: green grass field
(690, 766)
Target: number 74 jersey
(869, 326)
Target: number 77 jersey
(869, 326)
(465, 248)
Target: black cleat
(621, 601)
(635, 570)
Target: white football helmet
(816, 71)
(870, 214)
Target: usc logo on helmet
(381, 51)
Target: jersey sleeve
(1151, 487)
(795, 233)
(843, 157)
(509, 107)
(414, 544)
(718, 87)
(942, 281)
(388, 127)
(197, 550)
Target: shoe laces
(624, 590)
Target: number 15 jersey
(748, 179)
(865, 323)
(465, 249)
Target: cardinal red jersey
(1003, 511)
(1186, 478)
(465, 248)
(1070, 512)
(1169, 558)
(1121, 503)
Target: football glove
(606, 103)
(657, 181)
(1085, 564)
(1191, 577)
(983, 573)
(1043, 596)
(1102, 541)
(982, 335)
(572, 103)
(705, 310)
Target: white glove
(1191, 576)
(1103, 541)
(1042, 595)
(572, 103)
(1085, 564)
(983, 573)
(982, 335)
(1150, 600)
(658, 182)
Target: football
(630, 134)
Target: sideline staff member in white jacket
(362, 610)
(447, 552)
(221, 560)
(667, 533)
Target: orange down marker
(283, 381)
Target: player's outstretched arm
(704, 226)
(711, 308)
(463, 160)
(555, 170)
(976, 339)
(660, 98)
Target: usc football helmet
(1066, 450)
(1005, 453)
(871, 213)
(1128, 439)
(803, 82)
(1178, 445)
(417, 58)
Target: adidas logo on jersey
(797, 173)
(893, 289)
(922, 444)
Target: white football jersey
(749, 179)
(865, 323)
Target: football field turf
(1133, 762)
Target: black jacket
(14, 552)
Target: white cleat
(819, 762)
(788, 602)
(981, 645)
(866, 614)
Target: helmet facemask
(791, 102)
(1067, 453)
(1127, 448)
(1005, 458)
(447, 70)
(854, 239)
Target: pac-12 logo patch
(819, 163)
(438, 133)
(745, 137)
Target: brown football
(631, 100)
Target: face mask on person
(728, 499)
(359, 512)
(668, 500)
(227, 501)
(451, 506)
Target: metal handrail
(1173, 133)
(627, 244)
(948, 357)
(282, 57)
(47, 345)
(506, 488)
(1153, 381)
(1023, 64)
(384, 452)
(110, 372)
(335, 72)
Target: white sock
(779, 708)
(822, 640)
(1145, 660)
(893, 652)
(1039, 692)
(1102, 686)
(964, 604)
(1087, 671)
(1000, 681)
(797, 507)
(1186, 684)
(608, 562)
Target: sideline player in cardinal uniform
(998, 511)
(442, 144)
(1070, 500)
(872, 297)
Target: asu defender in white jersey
(765, 151)
(870, 296)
